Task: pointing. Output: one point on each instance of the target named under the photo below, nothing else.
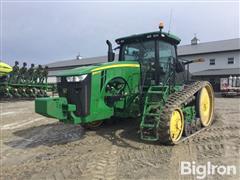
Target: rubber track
(176, 100)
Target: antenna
(170, 21)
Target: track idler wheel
(205, 105)
(171, 130)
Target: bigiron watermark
(201, 171)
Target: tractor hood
(78, 71)
(98, 67)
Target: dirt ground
(35, 147)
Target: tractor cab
(156, 53)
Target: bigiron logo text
(201, 171)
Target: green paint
(116, 90)
(189, 113)
(98, 108)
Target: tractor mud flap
(54, 107)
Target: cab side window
(166, 51)
(167, 54)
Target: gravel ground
(35, 147)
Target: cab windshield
(155, 55)
(138, 51)
(145, 50)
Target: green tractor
(145, 83)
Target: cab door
(167, 59)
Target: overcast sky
(43, 32)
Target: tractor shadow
(118, 131)
(46, 135)
(123, 133)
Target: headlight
(69, 79)
(80, 78)
(76, 78)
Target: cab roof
(151, 35)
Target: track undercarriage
(183, 113)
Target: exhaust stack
(111, 54)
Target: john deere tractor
(146, 83)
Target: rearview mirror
(179, 67)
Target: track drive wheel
(205, 105)
(171, 130)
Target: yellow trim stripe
(96, 72)
(114, 66)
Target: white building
(222, 59)
(223, 54)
